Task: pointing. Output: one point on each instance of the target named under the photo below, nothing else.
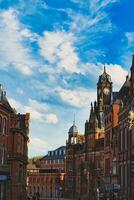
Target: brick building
(103, 166)
(119, 142)
(95, 134)
(110, 145)
(126, 138)
(46, 176)
(85, 158)
(14, 129)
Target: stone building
(75, 158)
(46, 176)
(14, 129)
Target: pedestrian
(33, 197)
(38, 195)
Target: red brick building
(126, 138)
(46, 176)
(110, 145)
(14, 129)
(104, 166)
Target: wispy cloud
(58, 50)
(13, 51)
(38, 146)
(78, 98)
(100, 5)
(130, 40)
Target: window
(0, 124)
(107, 138)
(20, 177)
(125, 135)
(30, 188)
(42, 180)
(2, 154)
(4, 130)
(107, 166)
(38, 180)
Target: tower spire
(91, 107)
(104, 68)
(74, 120)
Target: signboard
(3, 178)
(111, 187)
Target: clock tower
(132, 76)
(104, 89)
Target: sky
(51, 54)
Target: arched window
(4, 127)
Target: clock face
(106, 91)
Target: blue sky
(51, 54)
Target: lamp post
(112, 188)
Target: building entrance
(1, 191)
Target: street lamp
(111, 188)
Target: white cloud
(39, 106)
(13, 52)
(52, 118)
(38, 111)
(118, 73)
(19, 91)
(38, 145)
(15, 104)
(130, 38)
(82, 22)
(78, 98)
(58, 49)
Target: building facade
(14, 129)
(74, 163)
(126, 138)
(46, 176)
(107, 155)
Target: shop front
(4, 177)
